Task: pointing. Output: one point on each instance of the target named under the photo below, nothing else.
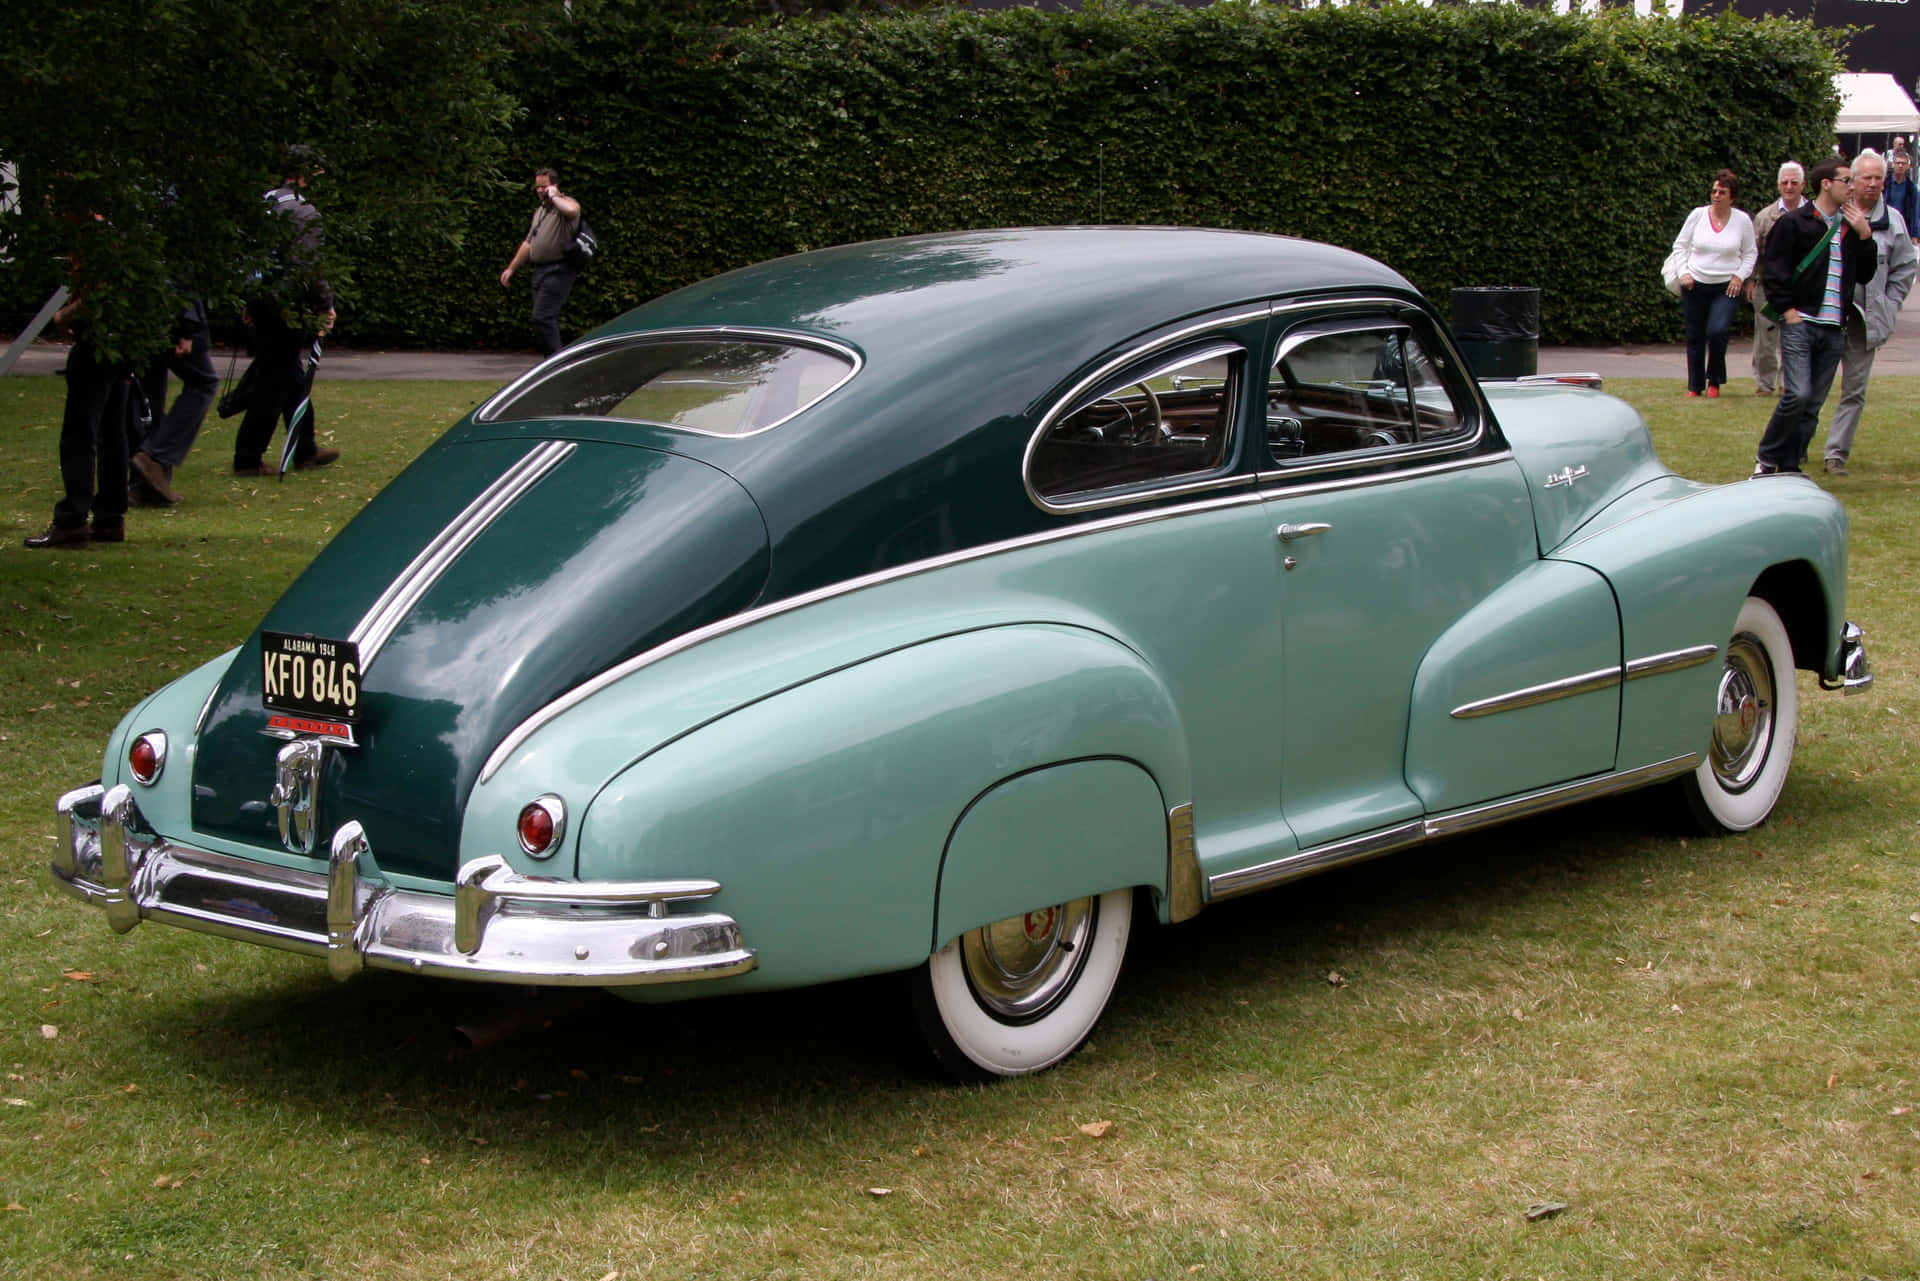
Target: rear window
(716, 385)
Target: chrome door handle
(1290, 532)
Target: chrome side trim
(373, 630)
(1357, 849)
(1549, 798)
(1534, 695)
(569, 355)
(1147, 516)
(1318, 859)
(1672, 661)
(200, 721)
(498, 926)
(1186, 891)
(1587, 682)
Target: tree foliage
(1476, 145)
(1486, 145)
(142, 133)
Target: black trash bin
(1498, 328)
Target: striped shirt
(1829, 313)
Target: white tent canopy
(1874, 102)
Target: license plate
(311, 683)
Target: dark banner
(1889, 42)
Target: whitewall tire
(1756, 719)
(1022, 994)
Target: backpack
(585, 245)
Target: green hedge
(1491, 145)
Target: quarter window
(1162, 419)
(1357, 389)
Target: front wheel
(1022, 994)
(1756, 719)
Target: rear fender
(1064, 832)
(824, 810)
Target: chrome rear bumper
(497, 926)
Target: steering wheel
(1155, 426)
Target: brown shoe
(109, 533)
(157, 477)
(255, 470)
(58, 537)
(319, 458)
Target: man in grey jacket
(1876, 304)
(1766, 331)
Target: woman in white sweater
(1717, 257)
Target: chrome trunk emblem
(296, 778)
(1565, 476)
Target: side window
(1163, 419)
(1356, 389)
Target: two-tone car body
(923, 605)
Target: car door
(1396, 514)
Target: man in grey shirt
(545, 247)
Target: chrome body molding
(1856, 673)
(1186, 889)
(747, 618)
(1419, 831)
(1671, 661)
(1534, 695)
(1588, 682)
(413, 582)
(498, 926)
(593, 347)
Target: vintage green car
(938, 606)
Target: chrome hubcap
(1743, 719)
(1021, 967)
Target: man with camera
(549, 238)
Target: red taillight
(147, 757)
(542, 822)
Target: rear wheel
(1755, 721)
(1022, 994)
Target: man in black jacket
(284, 318)
(1815, 255)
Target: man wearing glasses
(1815, 255)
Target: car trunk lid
(489, 578)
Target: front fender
(1681, 558)
(823, 810)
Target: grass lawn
(1707, 1050)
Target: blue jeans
(1708, 313)
(1809, 355)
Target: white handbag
(1670, 271)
